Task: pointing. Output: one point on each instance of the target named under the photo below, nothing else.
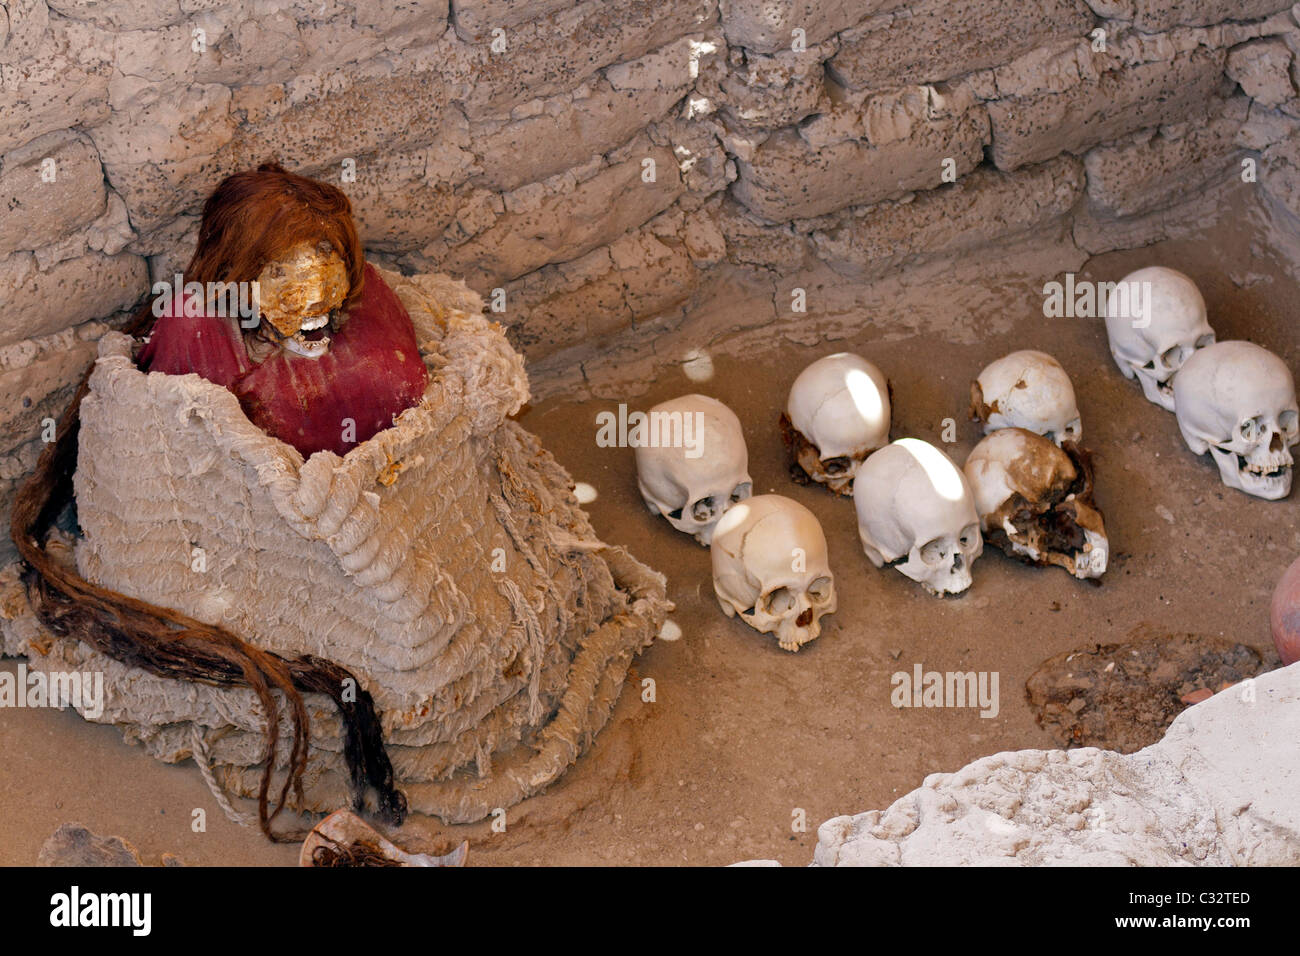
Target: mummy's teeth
(312, 324)
(306, 348)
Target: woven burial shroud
(444, 562)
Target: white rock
(1218, 790)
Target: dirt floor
(744, 742)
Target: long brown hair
(277, 209)
(258, 215)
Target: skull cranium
(916, 512)
(1035, 501)
(691, 479)
(837, 413)
(1237, 401)
(1153, 346)
(1029, 390)
(770, 566)
(299, 295)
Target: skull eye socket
(1290, 423)
(781, 601)
(704, 509)
(969, 537)
(837, 466)
(741, 492)
(932, 552)
(1173, 358)
(820, 590)
(1250, 429)
(1204, 340)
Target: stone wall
(590, 165)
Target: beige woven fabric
(444, 562)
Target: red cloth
(371, 373)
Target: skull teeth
(1271, 465)
(317, 322)
(307, 348)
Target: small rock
(73, 845)
(1196, 696)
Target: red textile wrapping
(371, 373)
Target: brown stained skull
(1035, 501)
(808, 465)
(300, 295)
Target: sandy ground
(745, 748)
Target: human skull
(1238, 402)
(1151, 342)
(691, 462)
(770, 566)
(916, 513)
(299, 294)
(1035, 501)
(837, 414)
(1027, 390)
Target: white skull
(770, 567)
(1027, 390)
(916, 511)
(691, 462)
(1035, 501)
(1238, 402)
(837, 414)
(1151, 342)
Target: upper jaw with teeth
(1265, 476)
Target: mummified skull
(1027, 390)
(837, 414)
(692, 463)
(916, 513)
(1238, 402)
(1151, 342)
(299, 295)
(770, 567)
(1035, 501)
